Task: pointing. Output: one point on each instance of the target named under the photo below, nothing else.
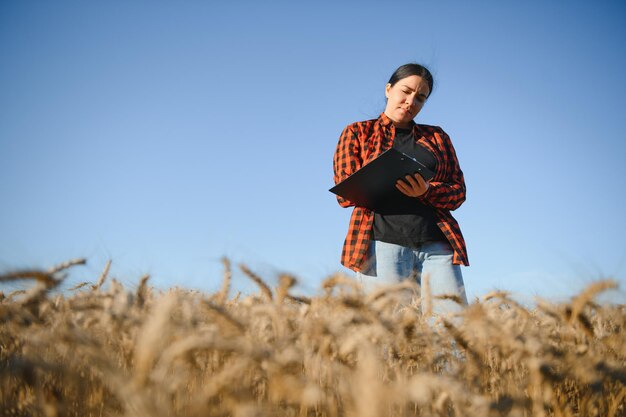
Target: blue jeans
(390, 264)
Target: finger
(418, 184)
(402, 185)
(406, 192)
(403, 188)
(412, 182)
(420, 180)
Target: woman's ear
(387, 88)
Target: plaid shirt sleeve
(347, 159)
(448, 194)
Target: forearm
(443, 195)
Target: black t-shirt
(409, 223)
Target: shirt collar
(386, 121)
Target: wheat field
(100, 349)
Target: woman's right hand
(412, 185)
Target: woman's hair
(407, 70)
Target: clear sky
(167, 134)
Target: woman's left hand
(413, 185)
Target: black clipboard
(374, 185)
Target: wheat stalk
(335, 354)
(265, 289)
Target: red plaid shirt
(362, 142)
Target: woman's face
(405, 99)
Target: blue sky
(165, 135)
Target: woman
(418, 236)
